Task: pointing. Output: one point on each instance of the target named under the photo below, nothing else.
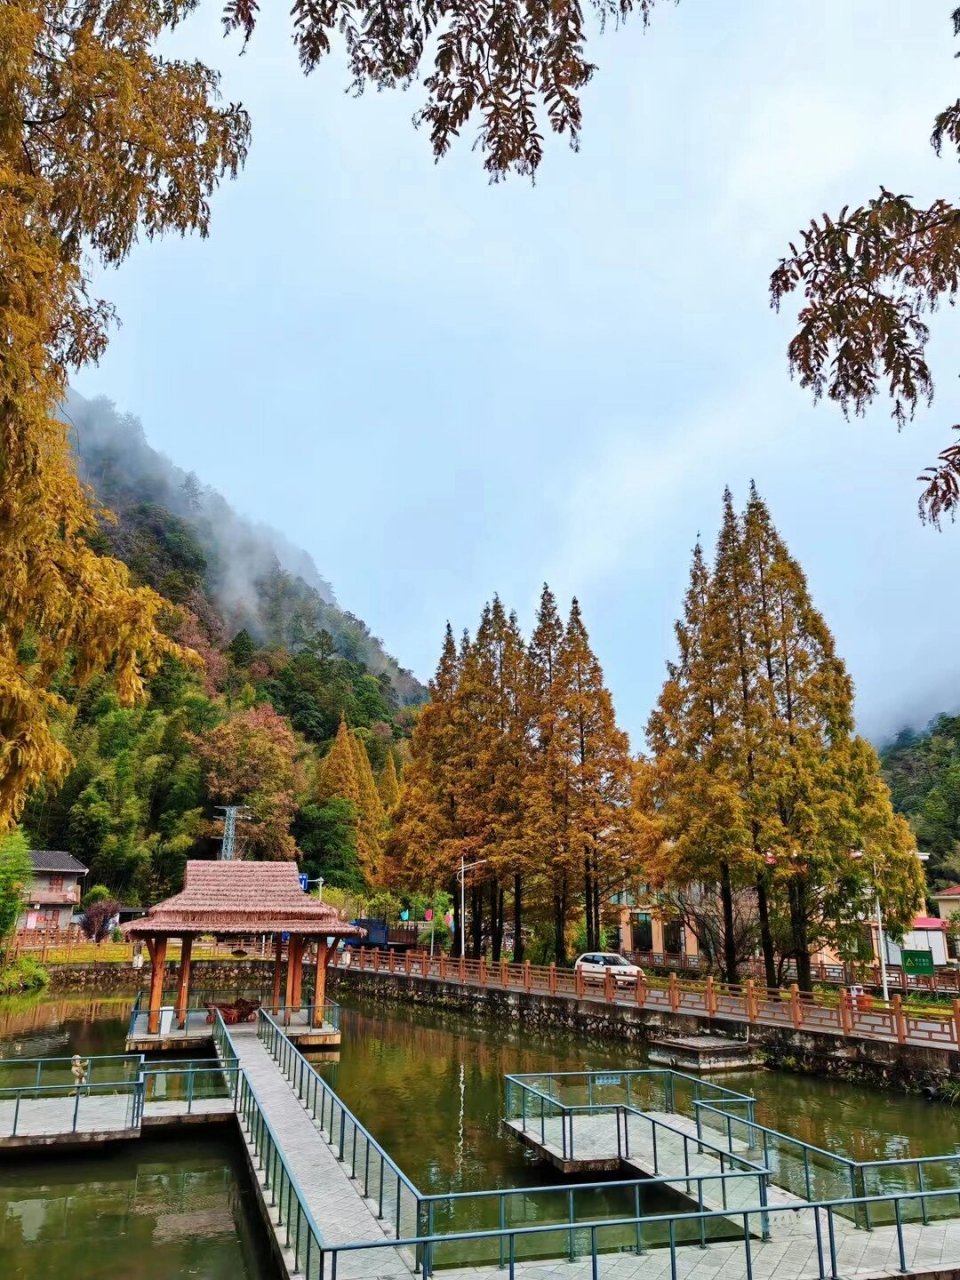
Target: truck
(380, 934)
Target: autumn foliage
(517, 765)
(101, 140)
(757, 782)
(251, 760)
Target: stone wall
(907, 1067)
(205, 975)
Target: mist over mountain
(183, 538)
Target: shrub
(96, 893)
(97, 920)
(23, 974)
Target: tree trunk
(729, 939)
(766, 937)
(597, 914)
(592, 943)
(476, 922)
(458, 949)
(496, 920)
(517, 919)
(801, 934)
(560, 924)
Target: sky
(444, 388)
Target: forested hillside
(923, 773)
(181, 537)
(280, 676)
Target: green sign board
(918, 962)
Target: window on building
(56, 884)
(641, 930)
(672, 937)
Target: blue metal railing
(60, 1109)
(108, 1067)
(282, 1192)
(817, 1222)
(384, 1182)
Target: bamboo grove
(757, 816)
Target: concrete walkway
(334, 1199)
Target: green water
(430, 1089)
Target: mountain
(922, 770)
(183, 538)
(280, 672)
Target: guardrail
(286, 1199)
(835, 1013)
(189, 1082)
(537, 1106)
(383, 1181)
(47, 1110)
(21, 1072)
(676, 1230)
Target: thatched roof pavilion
(230, 898)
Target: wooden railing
(835, 1013)
(946, 980)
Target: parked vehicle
(401, 937)
(594, 964)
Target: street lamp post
(881, 945)
(881, 939)
(464, 868)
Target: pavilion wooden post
(293, 960)
(320, 987)
(183, 990)
(298, 974)
(277, 966)
(158, 959)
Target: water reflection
(153, 1210)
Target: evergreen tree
(422, 844)
(337, 775)
(760, 775)
(545, 785)
(600, 833)
(388, 785)
(697, 825)
(369, 814)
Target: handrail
(290, 1051)
(424, 1244)
(786, 1137)
(268, 1152)
(562, 1188)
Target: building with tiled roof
(53, 894)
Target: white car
(594, 964)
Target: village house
(53, 894)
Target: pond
(429, 1086)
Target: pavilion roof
(241, 897)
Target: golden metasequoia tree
(517, 764)
(345, 772)
(369, 815)
(513, 67)
(101, 140)
(388, 785)
(421, 845)
(759, 778)
(598, 843)
(693, 800)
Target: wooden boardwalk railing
(834, 1013)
